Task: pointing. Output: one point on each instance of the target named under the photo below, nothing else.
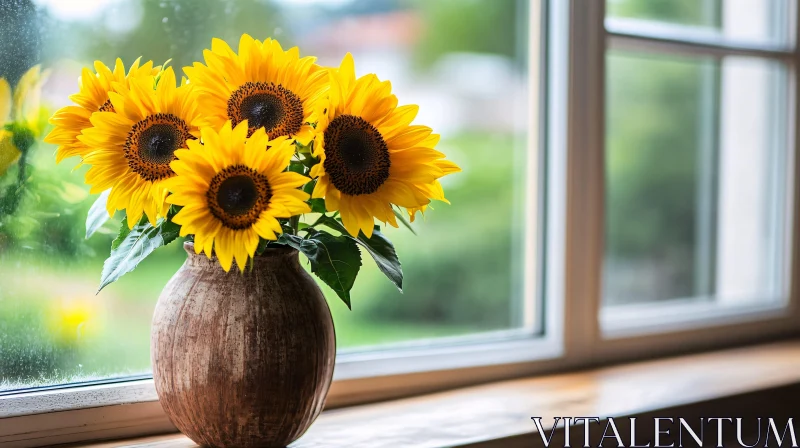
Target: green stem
(23, 168)
(14, 192)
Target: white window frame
(569, 92)
(669, 327)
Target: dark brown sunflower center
(356, 156)
(107, 106)
(266, 105)
(151, 145)
(237, 196)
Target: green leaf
(98, 215)
(123, 233)
(134, 247)
(286, 226)
(403, 220)
(292, 241)
(381, 249)
(336, 260)
(297, 167)
(309, 186)
(317, 205)
(384, 254)
(304, 149)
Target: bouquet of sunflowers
(253, 149)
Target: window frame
(566, 170)
(617, 333)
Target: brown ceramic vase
(242, 359)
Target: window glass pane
(696, 179)
(738, 20)
(464, 63)
(685, 12)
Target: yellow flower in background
(8, 152)
(93, 96)
(232, 189)
(28, 110)
(23, 110)
(371, 157)
(272, 89)
(5, 102)
(71, 319)
(131, 147)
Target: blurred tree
(653, 135)
(476, 26)
(181, 29)
(654, 142)
(468, 286)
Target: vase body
(242, 359)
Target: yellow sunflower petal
(96, 91)
(5, 101)
(223, 248)
(8, 152)
(371, 156)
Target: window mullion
(585, 177)
(793, 165)
(641, 35)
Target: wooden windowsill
(476, 416)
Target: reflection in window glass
(695, 179)
(466, 70)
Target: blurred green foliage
(659, 126)
(686, 12)
(180, 30)
(653, 131)
(51, 216)
(474, 26)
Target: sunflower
(370, 156)
(272, 89)
(131, 148)
(93, 96)
(23, 112)
(233, 189)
